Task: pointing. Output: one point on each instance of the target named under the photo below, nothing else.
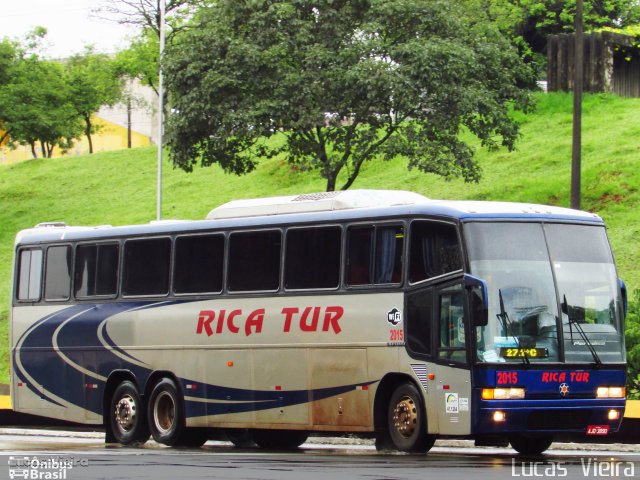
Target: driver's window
(452, 335)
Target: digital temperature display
(524, 352)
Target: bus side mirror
(623, 292)
(478, 300)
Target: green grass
(119, 187)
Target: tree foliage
(533, 20)
(343, 82)
(141, 60)
(145, 14)
(34, 102)
(47, 104)
(93, 82)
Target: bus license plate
(598, 430)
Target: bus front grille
(558, 419)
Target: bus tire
(527, 445)
(406, 420)
(127, 415)
(240, 437)
(279, 439)
(167, 420)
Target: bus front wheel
(526, 445)
(406, 421)
(127, 415)
(167, 420)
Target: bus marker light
(446, 387)
(499, 416)
(431, 376)
(229, 364)
(277, 388)
(362, 387)
(614, 415)
(92, 386)
(192, 386)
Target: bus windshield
(553, 293)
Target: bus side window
(452, 327)
(146, 266)
(198, 264)
(57, 283)
(96, 270)
(359, 249)
(30, 275)
(312, 258)
(434, 250)
(254, 261)
(374, 262)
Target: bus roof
(351, 205)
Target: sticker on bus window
(505, 342)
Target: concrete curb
(337, 441)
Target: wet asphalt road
(69, 456)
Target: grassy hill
(119, 187)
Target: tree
(141, 60)
(534, 20)
(35, 108)
(339, 83)
(92, 82)
(145, 14)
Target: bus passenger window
(360, 246)
(434, 250)
(389, 241)
(146, 267)
(30, 275)
(96, 270)
(254, 261)
(198, 264)
(57, 284)
(374, 262)
(312, 258)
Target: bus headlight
(611, 392)
(502, 393)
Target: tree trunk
(33, 149)
(128, 122)
(87, 131)
(43, 149)
(331, 181)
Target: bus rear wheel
(406, 421)
(167, 420)
(527, 445)
(127, 415)
(279, 439)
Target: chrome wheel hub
(405, 417)
(126, 413)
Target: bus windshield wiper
(580, 330)
(507, 325)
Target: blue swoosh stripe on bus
(60, 378)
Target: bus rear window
(96, 270)
(30, 275)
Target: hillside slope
(119, 187)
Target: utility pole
(576, 151)
(160, 112)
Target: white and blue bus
(379, 313)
